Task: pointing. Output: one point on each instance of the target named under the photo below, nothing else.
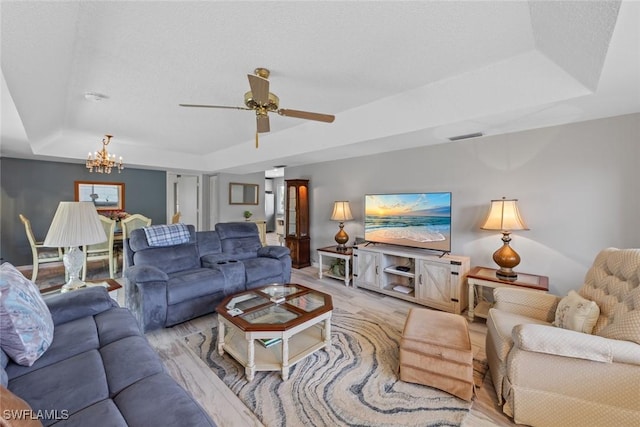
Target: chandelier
(102, 161)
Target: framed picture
(107, 196)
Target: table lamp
(341, 212)
(505, 217)
(75, 224)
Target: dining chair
(176, 218)
(133, 222)
(129, 224)
(103, 250)
(40, 253)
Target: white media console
(423, 278)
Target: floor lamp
(75, 224)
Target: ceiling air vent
(467, 136)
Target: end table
(334, 252)
(111, 285)
(484, 277)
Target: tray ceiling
(395, 74)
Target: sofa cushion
(241, 240)
(124, 370)
(69, 339)
(170, 406)
(105, 410)
(26, 326)
(169, 259)
(576, 313)
(613, 276)
(81, 335)
(71, 384)
(115, 324)
(208, 243)
(191, 284)
(626, 327)
(257, 269)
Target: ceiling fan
(263, 102)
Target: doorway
(183, 195)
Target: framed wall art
(107, 196)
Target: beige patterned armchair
(550, 376)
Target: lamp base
(341, 238)
(507, 259)
(73, 260)
(506, 274)
(73, 285)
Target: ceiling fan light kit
(263, 102)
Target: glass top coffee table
(274, 327)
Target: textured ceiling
(395, 74)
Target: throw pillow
(624, 327)
(577, 313)
(16, 412)
(26, 326)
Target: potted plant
(247, 215)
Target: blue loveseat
(99, 370)
(168, 285)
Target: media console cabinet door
(367, 269)
(434, 285)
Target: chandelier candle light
(101, 161)
(505, 217)
(341, 212)
(75, 224)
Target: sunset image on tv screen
(417, 219)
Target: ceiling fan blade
(262, 122)
(213, 106)
(259, 89)
(327, 118)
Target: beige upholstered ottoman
(435, 350)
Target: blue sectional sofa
(168, 285)
(99, 370)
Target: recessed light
(95, 96)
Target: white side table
(484, 277)
(334, 252)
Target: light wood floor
(227, 410)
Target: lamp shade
(504, 216)
(341, 211)
(75, 224)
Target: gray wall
(34, 188)
(231, 213)
(578, 187)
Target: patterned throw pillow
(26, 326)
(576, 313)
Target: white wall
(229, 213)
(578, 187)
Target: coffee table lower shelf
(296, 344)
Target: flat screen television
(420, 220)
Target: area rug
(355, 383)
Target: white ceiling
(395, 74)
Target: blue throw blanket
(167, 235)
